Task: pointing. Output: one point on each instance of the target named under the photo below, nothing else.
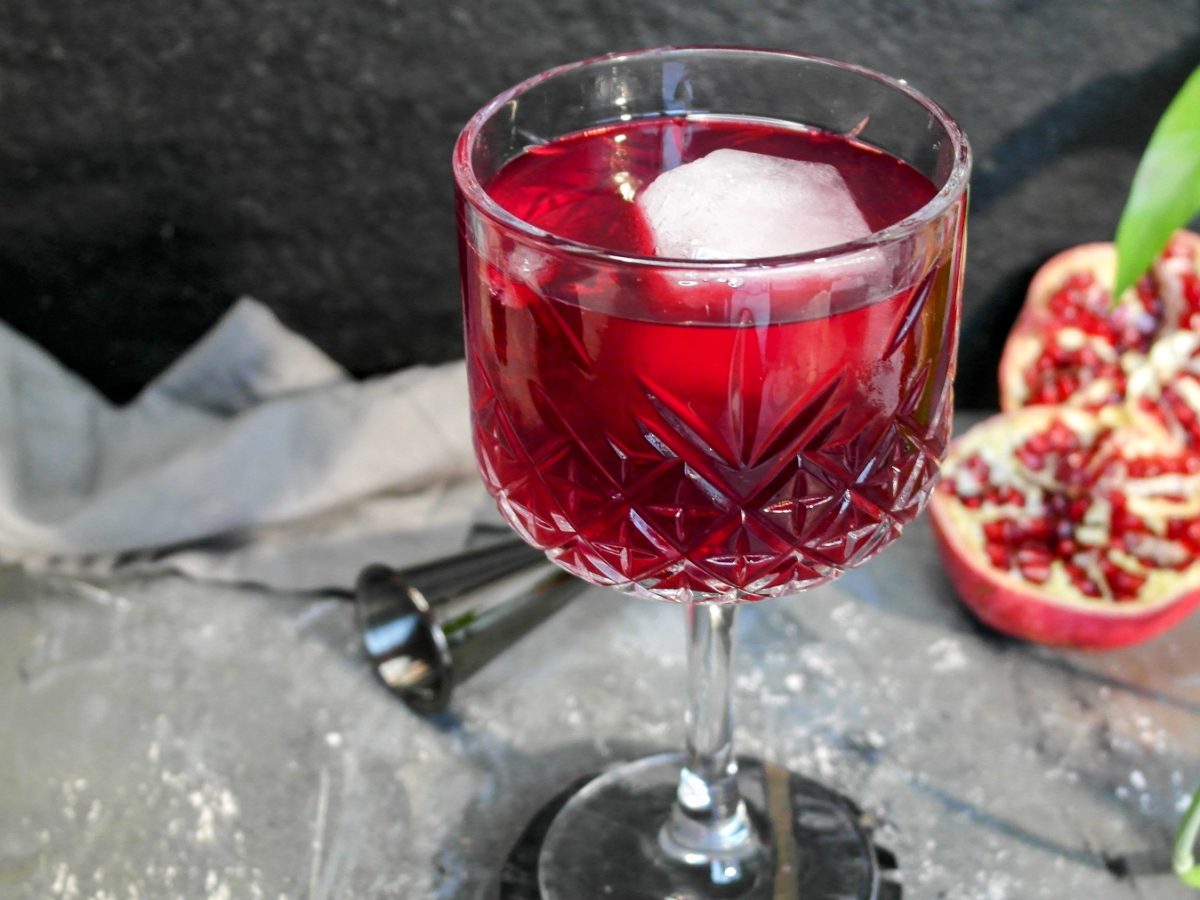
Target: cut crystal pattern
(787, 512)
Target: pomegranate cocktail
(706, 435)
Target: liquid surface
(697, 461)
(579, 187)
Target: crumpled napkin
(254, 458)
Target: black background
(158, 160)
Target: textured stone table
(169, 740)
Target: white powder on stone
(947, 655)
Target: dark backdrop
(157, 160)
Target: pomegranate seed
(1030, 459)
(994, 532)
(1039, 443)
(1038, 573)
(1122, 584)
(999, 556)
(1076, 459)
(1061, 437)
(978, 467)
(1125, 585)
(1038, 529)
(1010, 496)
(1184, 414)
(1068, 547)
(1124, 522)
(1030, 555)
(1186, 531)
(1170, 466)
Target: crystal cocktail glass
(708, 431)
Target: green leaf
(1184, 862)
(1166, 188)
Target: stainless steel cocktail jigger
(429, 627)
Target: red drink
(702, 432)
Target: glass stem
(708, 824)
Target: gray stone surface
(158, 160)
(164, 740)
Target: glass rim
(946, 196)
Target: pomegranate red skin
(1017, 608)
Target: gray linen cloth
(254, 458)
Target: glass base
(605, 842)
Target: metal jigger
(429, 627)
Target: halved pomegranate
(1072, 527)
(1071, 345)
